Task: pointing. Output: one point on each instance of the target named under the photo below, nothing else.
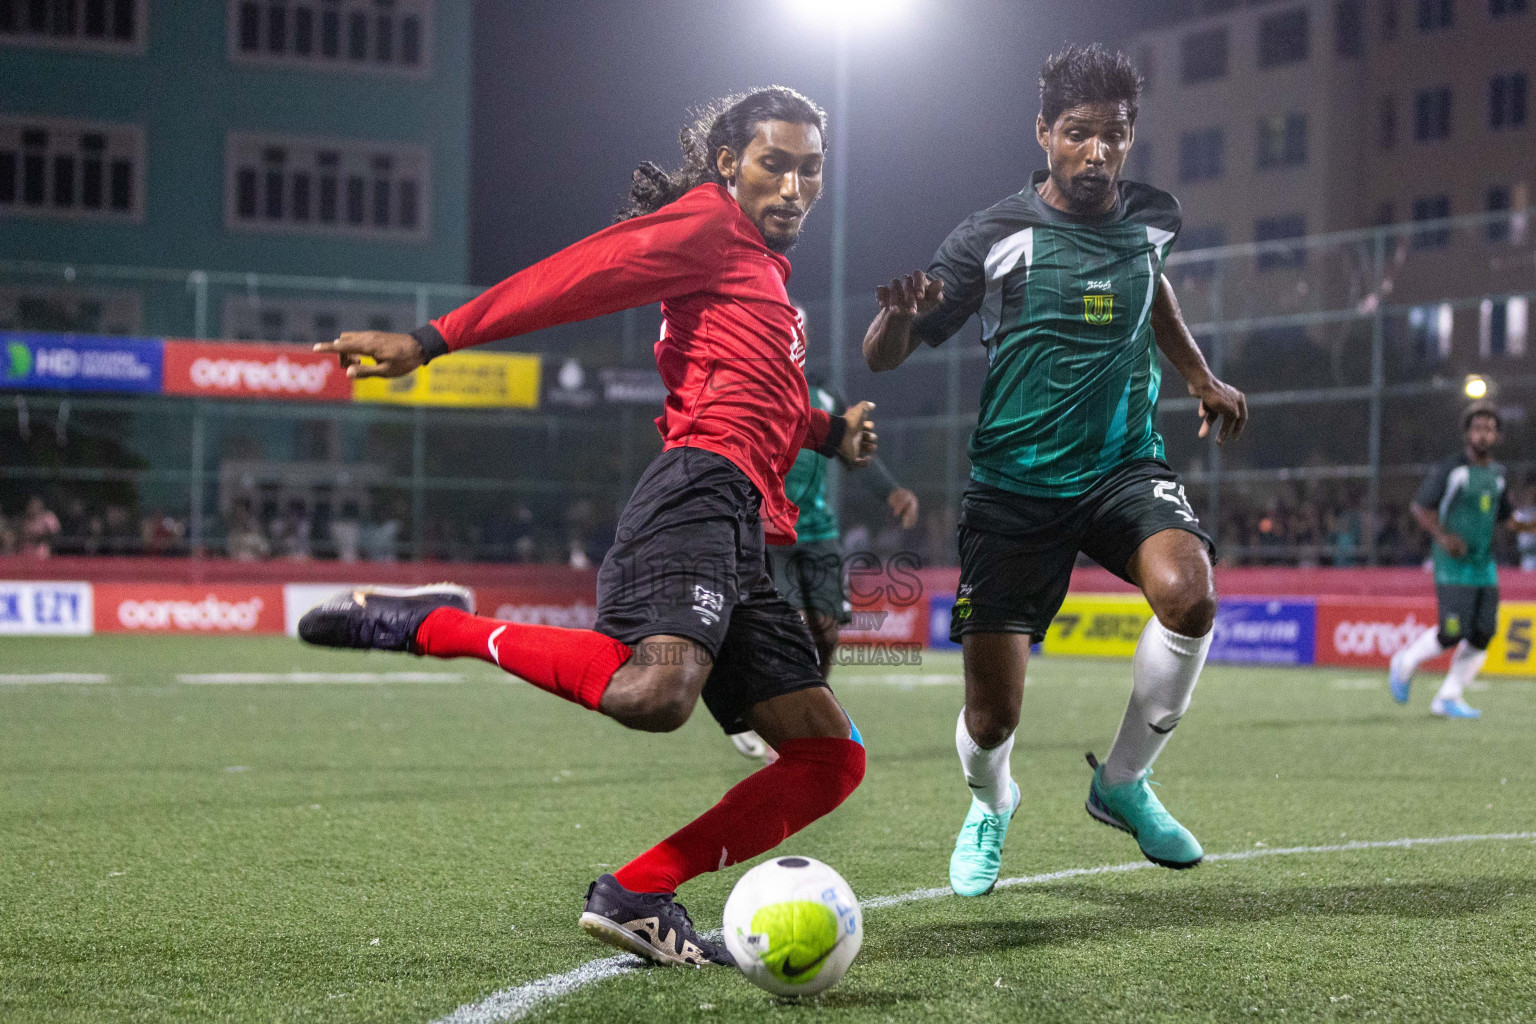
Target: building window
(1430, 329)
(1388, 20)
(1139, 164)
(388, 36)
(1282, 141)
(1275, 229)
(1191, 240)
(307, 321)
(1501, 8)
(1432, 114)
(327, 186)
(78, 170)
(1386, 214)
(1506, 101)
(1502, 325)
(1349, 28)
(1200, 155)
(70, 310)
(1510, 225)
(1431, 208)
(1435, 15)
(1386, 122)
(112, 25)
(1203, 56)
(1283, 38)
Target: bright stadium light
(864, 13)
(1476, 386)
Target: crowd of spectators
(1293, 525)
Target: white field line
(12, 679)
(240, 678)
(510, 1004)
(896, 679)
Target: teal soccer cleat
(978, 855)
(1133, 807)
(1398, 681)
(1457, 708)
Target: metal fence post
(423, 307)
(1378, 384)
(199, 460)
(418, 481)
(198, 282)
(1218, 352)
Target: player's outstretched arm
(889, 339)
(1220, 403)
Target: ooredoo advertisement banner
(571, 609)
(231, 370)
(1366, 633)
(33, 608)
(159, 608)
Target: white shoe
(750, 744)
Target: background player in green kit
(809, 573)
(1459, 505)
(1067, 278)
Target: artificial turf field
(391, 851)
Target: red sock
(810, 778)
(572, 663)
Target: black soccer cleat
(649, 924)
(379, 618)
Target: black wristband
(834, 439)
(431, 341)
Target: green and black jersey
(1066, 315)
(806, 482)
(1471, 501)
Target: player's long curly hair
(729, 122)
(1088, 74)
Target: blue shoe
(1398, 682)
(1457, 708)
(978, 855)
(1133, 807)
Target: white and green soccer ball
(793, 926)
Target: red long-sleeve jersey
(732, 347)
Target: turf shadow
(1120, 912)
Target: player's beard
(1086, 192)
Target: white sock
(1163, 675)
(986, 771)
(1464, 667)
(1421, 650)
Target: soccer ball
(793, 926)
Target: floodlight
(849, 12)
(1476, 386)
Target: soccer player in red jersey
(686, 607)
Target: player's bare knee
(1184, 600)
(990, 727)
(655, 698)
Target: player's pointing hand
(1221, 403)
(393, 355)
(912, 295)
(860, 442)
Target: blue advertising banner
(76, 362)
(1270, 632)
(940, 606)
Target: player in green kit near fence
(1066, 277)
(1461, 505)
(809, 573)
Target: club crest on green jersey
(1098, 309)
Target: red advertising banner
(223, 610)
(882, 621)
(239, 370)
(1365, 633)
(571, 608)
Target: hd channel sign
(1269, 632)
(78, 362)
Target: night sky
(570, 96)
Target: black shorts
(1467, 613)
(688, 560)
(1017, 552)
(810, 577)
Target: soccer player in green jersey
(1460, 505)
(809, 573)
(1067, 278)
